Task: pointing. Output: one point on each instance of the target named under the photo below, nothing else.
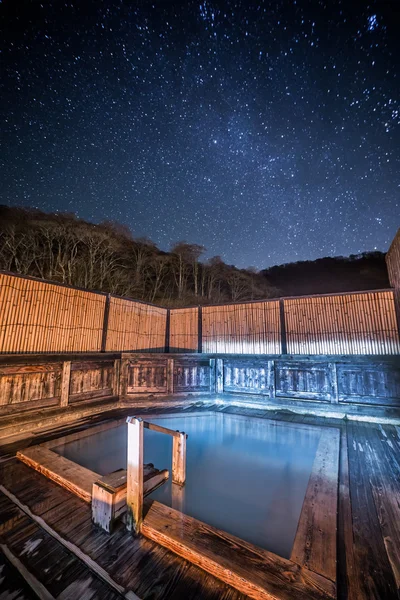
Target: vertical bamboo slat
(183, 330)
(133, 326)
(252, 328)
(36, 316)
(363, 323)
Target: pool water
(245, 476)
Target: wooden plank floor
(368, 558)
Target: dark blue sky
(269, 132)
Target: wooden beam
(315, 542)
(134, 493)
(170, 376)
(179, 459)
(219, 376)
(161, 429)
(65, 380)
(255, 572)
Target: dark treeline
(105, 257)
(365, 271)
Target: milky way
(267, 132)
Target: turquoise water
(245, 476)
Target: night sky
(269, 132)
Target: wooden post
(102, 507)
(334, 383)
(105, 323)
(170, 376)
(117, 365)
(200, 331)
(167, 329)
(283, 327)
(134, 492)
(65, 379)
(123, 378)
(219, 376)
(177, 497)
(212, 375)
(179, 459)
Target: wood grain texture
(256, 572)
(315, 542)
(73, 477)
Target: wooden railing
(134, 497)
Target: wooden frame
(311, 570)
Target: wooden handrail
(160, 429)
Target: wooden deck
(46, 533)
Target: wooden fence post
(200, 330)
(167, 329)
(283, 326)
(65, 379)
(105, 323)
(134, 476)
(179, 459)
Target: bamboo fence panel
(135, 326)
(36, 316)
(363, 323)
(184, 328)
(252, 328)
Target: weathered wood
(65, 379)
(109, 494)
(179, 459)
(134, 494)
(315, 544)
(170, 376)
(161, 429)
(219, 385)
(75, 478)
(252, 570)
(36, 586)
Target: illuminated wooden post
(179, 458)
(134, 492)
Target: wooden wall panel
(36, 316)
(146, 376)
(363, 323)
(183, 330)
(23, 386)
(91, 380)
(252, 328)
(133, 326)
(250, 377)
(374, 383)
(192, 376)
(307, 381)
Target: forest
(106, 257)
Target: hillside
(366, 271)
(106, 257)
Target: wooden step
(109, 494)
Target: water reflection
(245, 476)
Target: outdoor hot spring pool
(246, 476)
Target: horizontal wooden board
(254, 571)
(303, 380)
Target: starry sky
(268, 132)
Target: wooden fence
(42, 317)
